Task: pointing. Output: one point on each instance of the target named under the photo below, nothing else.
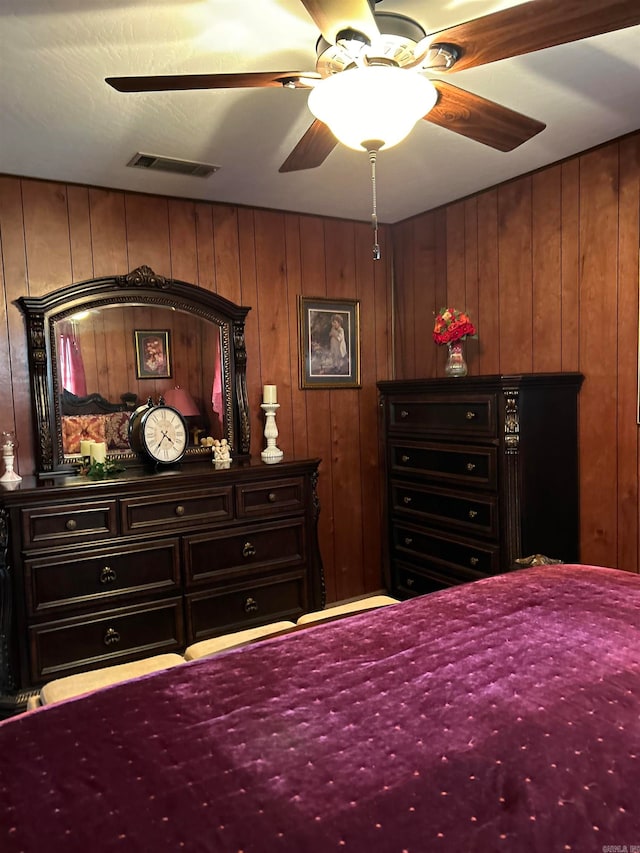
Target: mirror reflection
(111, 359)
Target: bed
(502, 715)
(93, 418)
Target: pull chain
(374, 214)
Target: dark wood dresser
(480, 471)
(94, 573)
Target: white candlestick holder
(9, 444)
(271, 453)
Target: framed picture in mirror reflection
(153, 353)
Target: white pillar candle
(98, 451)
(269, 394)
(85, 448)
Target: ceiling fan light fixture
(381, 102)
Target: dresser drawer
(472, 415)
(449, 463)
(78, 579)
(72, 522)
(410, 581)
(270, 498)
(104, 638)
(255, 601)
(470, 512)
(187, 508)
(450, 552)
(208, 556)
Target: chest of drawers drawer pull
(404, 414)
(471, 466)
(474, 561)
(250, 605)
(470, 416)
(71, 524)
(473, 513)
(405, 458)
(410, 582)
(111, 637)
(408, 540)
(406, 500)
(108, 575)
(248, 550)
(272, 497)
(179, 510)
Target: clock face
(164, 434)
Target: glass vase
(456, 365)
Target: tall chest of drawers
(98, 573)
(480, 471)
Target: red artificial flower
(452, 325)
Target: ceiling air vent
(170, 164)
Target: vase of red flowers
(452, 327)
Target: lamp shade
(379, 103)
(181, 400)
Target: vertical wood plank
(313, 252)
(599, 354)
(471, 301)
(546, 228)
(225, 236)
(514, 247)
(627, 368)
(182, 240)
(570, 248)
(345, 424)
(488, 319)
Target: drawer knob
(408, 540)
(405, 458)
(474, 561)
(472, 513)
(410, 581)
(111, 637)
(407, 500)
(71, 524)
(180, 510)
(251, 605)
(108, 575)
(248, 550)
(470, 416)
(404, 413)
(471, 466)
(272, 497)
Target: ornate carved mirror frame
(141, 287)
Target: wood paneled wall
(547, 265)
(53, 234)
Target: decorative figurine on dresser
(155, 547)
(481, 471)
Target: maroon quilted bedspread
(498, 716)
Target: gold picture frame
(153, 353)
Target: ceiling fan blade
(183, 82)
(481, 120)
(333, 16)
(312, 150)
(534, 26)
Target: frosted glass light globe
(378, 103)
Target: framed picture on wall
(153, 353)
(329, 342)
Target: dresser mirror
(101, 348)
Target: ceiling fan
(356, 38)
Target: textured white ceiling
(59, 119)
